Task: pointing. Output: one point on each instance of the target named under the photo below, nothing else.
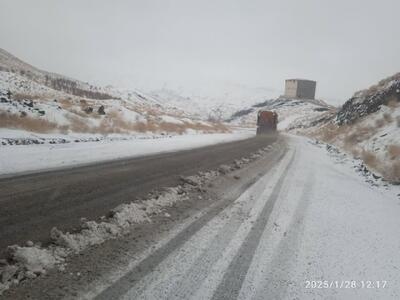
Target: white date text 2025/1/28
(345, 284)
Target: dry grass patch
(370, 159)
(356, 152)
(389, 170)
(328, 133)
(23, 96)
(387, 118)
(172, 127)
(79, 113)
(148, 126)
(79, 125)
(331, 132)
(213, 127)
(26, 123)
(395, 172)
(350, 136)
(66, 104)
(380, 123)
(394, 151)
(357, 135)
(220, 127)
(114, 123)
(393, 103)
(392, 172)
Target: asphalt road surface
(32, 204)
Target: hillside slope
(368, 126)
(54, 107)
(12, 64)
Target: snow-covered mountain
(34, 101)
(368, 126)
(215, 103)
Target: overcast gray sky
(345, 45)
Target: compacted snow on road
(27, 158)
(310, 228)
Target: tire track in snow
(200, 269)
(275, 281)
(149, 264)
(234, 276)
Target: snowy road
(32, 204)
(297, 223)
(310, 228)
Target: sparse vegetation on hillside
(108, 125)
(365, 139)
(26, 123)
(72, 87)
(367, 127)
(355, 140)
(41, 102)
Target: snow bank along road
(32, 204)
(310, 219)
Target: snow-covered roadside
(29, 158)
(332, 234)
(328, 227)
(19, 137)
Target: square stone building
(300, 88)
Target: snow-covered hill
(12, 64)
(215, 103)
(293, 114)
(368, 126)
(38, 102)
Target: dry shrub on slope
(358, 134)
(394, 152)
(370, 159)
(394, 172)
(23, 96)
(26, 123)
(351, 139)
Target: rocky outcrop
(101, 110)
(369, 101)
